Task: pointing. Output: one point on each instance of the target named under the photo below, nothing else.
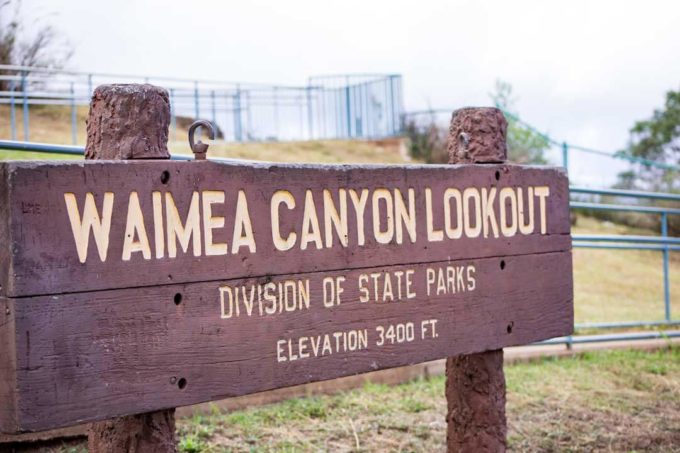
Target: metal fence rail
(328, 107)
(662, 243)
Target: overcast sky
(583, 71)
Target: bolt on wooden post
(130, 122)
(475, 383)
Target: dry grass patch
(52, 124)
(607, 401)
(620, 285)
(602, 401)
(47, 124)
(389, 151)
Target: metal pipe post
(666, 257)
(276, 112)
(212, 106)
(173, 115)
(228, 112)
(249, 118)
(24, 87)
(197, 110)
(237, 114)
(565, 156)
(348, 111)
(310, 125)
(364, 108)
(300, 101)
(339, 126)
(393, 128)
(12, 111)
(388, 120)
(74, 127)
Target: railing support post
(237, 115)
(173, 115)
(24, 88)
(348, 112)
(12, 110)
(666, 258)
(475, 383)
(74, 127)
(565, 156)
(310, 125)
(197, 109)
(212, 108)
(276, 112)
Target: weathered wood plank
(5, 241)
(7, 367)
(44, 257)
(101, 354)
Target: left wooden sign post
(130, 122)
(133, 284)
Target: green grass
(21, 155)
(598, 401)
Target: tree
(427, 140)
(525, 146)
(657, 140)
(42, 46)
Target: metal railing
(663, 243)
(328, 107)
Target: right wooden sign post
(131, 284)
(475, 383)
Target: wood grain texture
(475, 393)
(44, 259)
(152, 432)
(128, 121)
(477, 135)
(475, 383)
(7, 367)
(5, 238)
(96, 355)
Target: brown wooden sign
(133, 286)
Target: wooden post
(475, 383)
(130, 122)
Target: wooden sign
(133, 286)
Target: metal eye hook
(200, 149)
